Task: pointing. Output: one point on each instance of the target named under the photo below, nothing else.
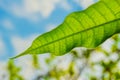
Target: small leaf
(87, 28)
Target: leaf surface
(87, 28)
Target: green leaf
(87, 28)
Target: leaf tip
(18, 56)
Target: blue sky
(23, 20)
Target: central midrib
(75, 33)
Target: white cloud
(3, 71)
(27, 69)
(32, 9)
(107, 45)
(65, 5)
(85, 3)
(97, 56)
(50, 27)
(7, 24)
(20, 44)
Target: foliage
(14, 71)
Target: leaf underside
(87, 28)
